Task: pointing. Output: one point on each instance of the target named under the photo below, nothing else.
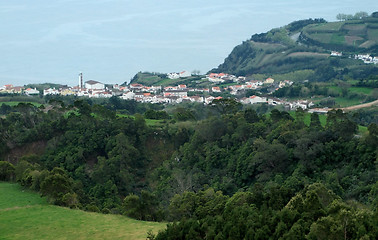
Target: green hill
(25, 215)
(161, 79)
(307, 44)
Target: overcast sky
(111, 40)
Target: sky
(111, 40)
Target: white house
(176, 93)
(336, 54)
(215, 89)
(269, 80)
(31, 91)
(256, 99)
(173, 75)
(128, 95)
(50, 91)
(185, 74)
(92, 85)
(101, 95)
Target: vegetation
(25, 215)
(306, 45)
(161, 79)
(96, 161)
(217, 171)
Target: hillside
(161, 79)
(25, 215)
(306, 44)
(208, 167)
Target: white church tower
(81, 80)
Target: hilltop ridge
(305, 44)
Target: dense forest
(221, 171)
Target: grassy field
(24, 215)
(307, 118)
(149, 122)
(346, 102)
(327, 27)
(16, 103)
(373, 34)
(323, 121)
(363, 90)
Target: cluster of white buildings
(304, 104)
(91, 88)
(179, 94)
(9, 88)
(336, 54)
(159, 94)
(222, 77)
(182, 74)
(367, 58)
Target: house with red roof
(215, 89)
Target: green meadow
(25, 215)
(323, 121)
(307, 118)
(15, 103)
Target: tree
(226, 105)
(56, 185)
(341, 16)
(315, 121)
(340, 124)
(360, 15)
(7, 171)
(146, 207)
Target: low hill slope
(24, 215)
(305, 44)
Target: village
(366, 58)
(171, 94)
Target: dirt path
(355, 107)
(17, 207)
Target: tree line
(216, 172)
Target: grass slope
(279, 52)
(24, 215)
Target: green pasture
(363, 90)
(149, 122)
(307, 118)
(15, 103)
(323, 121)
(327, 27)
(24, 215)
(322, 37)
(373, 34)
(346, 102)
(337, 39)
(14, 196)
(167, 81)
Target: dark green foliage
(7, 171)
(153, 114)
(56, 185)
(182, 114)
(230, 174)
(297, 25)
(144, 207)
(314, 213)
(226, 105)
(340, 125)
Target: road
(355, 107)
